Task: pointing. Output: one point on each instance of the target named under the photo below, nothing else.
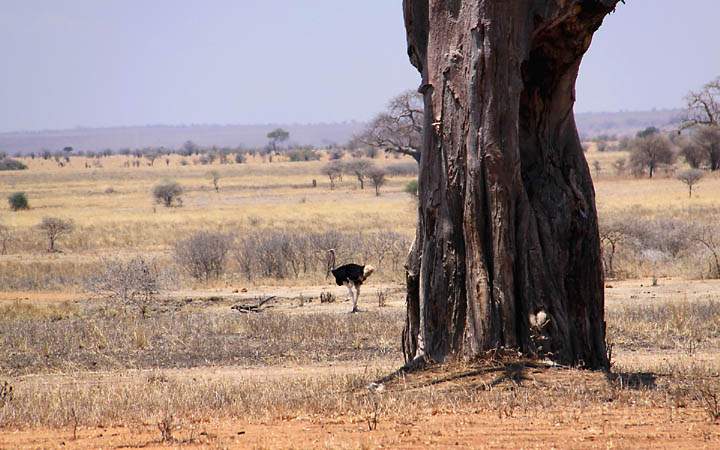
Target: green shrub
(11, 164)
(412, 188)
(18, 201)
(303, 155)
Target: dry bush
(668, 325)
(6, 393)
(204, 254)
(333, 170)
(404, 169)
(168, 193)
(635, 244)
(509, 391)
(5, 237)
(104, 337)
(54, 228)
(649, 153)
(133, 283)
(282, 254)
(378, 177)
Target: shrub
(18, 201)
(304, 154)
(54, 228)
(412, 188)
(5, 237)
(214, 176)
(404, 169)
(240, 158)
(360, 169)
(650, 152)
(168, 193)
(290, 253)
(11, 164)
(333, 170)
(690, 177)
(377, 176)
(203, 255)
(132, 283)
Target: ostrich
(349, 275)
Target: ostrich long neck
(332, 260)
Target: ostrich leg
(355, 299)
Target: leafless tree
(360, 169)
(650, 152)
(204, 254)
(598, 168)
(5, 237)
(151, 156)
(214, 176)
(377, 175)
(399, 129)
(54, 228)
(133, 283)
(703, 106)
(691, 152)
(707, 236)
(333, 170)
(690, 178)
(612, 233)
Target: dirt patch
(595, 427)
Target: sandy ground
(620, 291)
(599, 427)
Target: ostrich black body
(354, 273)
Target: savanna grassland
(86, 370)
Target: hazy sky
(68, 63)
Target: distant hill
(589, 124)
(248, 136)
(627, 122)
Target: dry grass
(71, 362)
(666, 325)
(179, 334)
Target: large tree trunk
(507, 253)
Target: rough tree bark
(507, 253)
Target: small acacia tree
(54, 228)
(214, 176)
(168, 193)
(360, 169)
(649, 152)
(378, 177)
(277, 137)
(690, 178)
(204, 254)
(333, 170)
